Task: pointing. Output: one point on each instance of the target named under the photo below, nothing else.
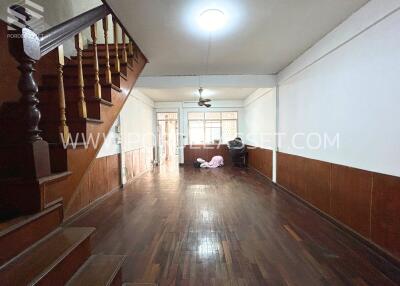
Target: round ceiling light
(212, 19)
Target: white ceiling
(191, 94)
(261, 36)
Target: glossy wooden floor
(184, 226)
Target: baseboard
(378, 252)
(136, 177)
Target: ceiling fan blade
(207, 105)
(206, 100)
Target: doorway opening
(168, 138)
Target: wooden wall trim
(363, 202)
(206, 152)
(137, 163)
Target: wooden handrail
(55, 36)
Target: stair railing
(27, 48)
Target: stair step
(17, 236)
(59, 154)
(25, 196)
(49, 93)
(79, 129)
(99, 270)
(72, 80)
(102, 53)
(88, 67)
(52, 261)
(111, 46)
(94, 106)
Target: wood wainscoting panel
(367, 203)
(129, 166)
(102, 178)
(318, 184)
(113, 170)
(98, 179)
(351, 198)
(135, 163)
(385, 215)
(206, 152)
(142, 160)
(291, 173)
(282, 170)
(261, 160)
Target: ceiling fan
(203, 101)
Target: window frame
(220, 120)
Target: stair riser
(88, 81)
(102, 53)
(68, 266)
(21, 198)
(89, 70)
(51, 134)
(72, 94)
(72, 110)
(14, 242)
(58, 159)
(90, 61)
(111, 46)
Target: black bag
(196, 164)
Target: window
(212, 127)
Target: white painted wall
(260, 121)
(259, 110)
(136, 129)
(111, 145)
(348, 84)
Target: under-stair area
(61, 103)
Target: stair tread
(13, 224)
(42, 257)
(43, 180)
(98, 270)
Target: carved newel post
(35, 161)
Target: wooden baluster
(81, 83)
(130, 51)
(97, 86)
(124, 50)
(133, 52)
(63, 128)
(117, 64)
(108, 68)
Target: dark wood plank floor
(183, 226)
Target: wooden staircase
(37, 251)
(48, 141)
